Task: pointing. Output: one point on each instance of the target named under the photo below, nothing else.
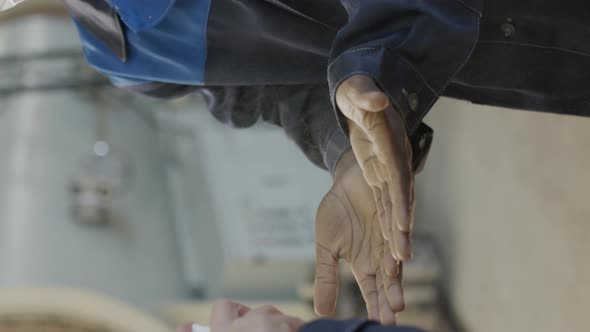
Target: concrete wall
(507, 196)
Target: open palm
(383, 152)
(347, 227)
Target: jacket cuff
(327, 325)
(408, 91)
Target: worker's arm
(326, 325)
(303, 111)
(388, 65)
(411, 49)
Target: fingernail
(403, 226)
(406, 253)
(400, 304)
(404, 247)
(394, 254)
(392, 268)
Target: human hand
(383, 151)
(347, 227)
(228, 316)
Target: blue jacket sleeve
(325, 325)
(412, 49)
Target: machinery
(71, 212)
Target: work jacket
(326, 325)
(282, 60)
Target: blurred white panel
(254, 197)
(505, 193)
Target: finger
(390, 224)
(403, 245)
(385, 311)
(362, 91)
(401, 176)
(394, 291)
(326, 282)
(368, 285)
(387, 176)
(224, 312)
(380, 209)
(368, 122)
(349, 109)
(266, 310)
(388, 207)
(390, 265)
(401, 219)
(405, 208)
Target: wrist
(335, 147)
(346, 161)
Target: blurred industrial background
(120, 213)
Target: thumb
(331, 232)
(362, 91)
(325, 292)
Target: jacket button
(508, 28)
(413, 101)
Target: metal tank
(83, 194)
